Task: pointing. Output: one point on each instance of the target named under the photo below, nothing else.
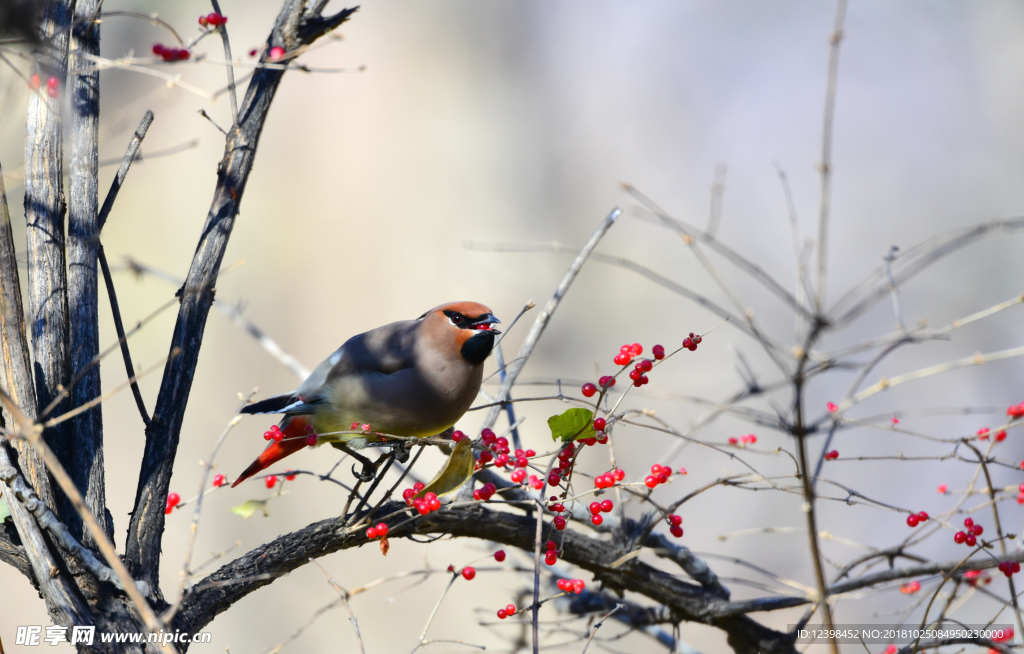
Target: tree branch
(261, 566)
(83, 244)
(142, 552)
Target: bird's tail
(294, 440)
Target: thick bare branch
(147, 523)
(83, 243)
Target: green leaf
(250, 507)
(574, 424)
(5, 511)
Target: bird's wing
(383, 351)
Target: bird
(407, 378)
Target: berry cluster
(571, 585)
(507, 611)
(52, 85)
(915, 519)
(606, 381)
(559, 508)
(274, 433)
(212, 20)
(638, 373)
(974, 576)
(380, 531)
(911, 587)
(1020, 494)
(626, 354)
(597, 508)
(219, 480)
(608, 479)
(832, 455)
(983, 435)
(659, 475)
(564, 469)
(1009, 568)
(676, 525)
(691, 342)
(485, 492)
(423, 505)
(970, 534)
(832, 408)
(173, 500)
(749, 439)
(550, 552)
(170, 54)
(497, 451)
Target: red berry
(595, 508)
(607, 506)
(599, 424)
(676, 531)
(977, 530)
(407, 495)
(943, 488)
(183, 54)
(559, 522)
(458, 435)
(550, 558)
(510, 609)
(831, 407)
(311, 440)
(675, 520)
(518, 475)
(173, 499)
(922, 515)
(158, 50)
(277, 435)
(499, 556)
(554, 479)
(658, 351)
(382, 529)
(468, 572)
(607, 381)
(289, 475)
(968, 522)
(622, 359)
(620, 475)
(983, 434)
(596, 519)
(52, 82)
(276, 53)
(34, 82)
(219, 480)
(203, 21)
(636, 349)
(645, 365)
(270, 480)
(371, 533)
(912, 520)
(502, 614)
(971, 540)
(661, 477)
(959, 537)
(577, 586)
(651, 481)
(550, 545)
(1000, 435)
(588, 390)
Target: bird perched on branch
(408, 378)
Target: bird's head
(469, 326)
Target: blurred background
(439, 125)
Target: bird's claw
(368, 473)
(401, 453)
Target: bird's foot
(367, 474)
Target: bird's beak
(484, 323)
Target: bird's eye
(456, 319)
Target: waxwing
(408, 378)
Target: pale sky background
(517, 122)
